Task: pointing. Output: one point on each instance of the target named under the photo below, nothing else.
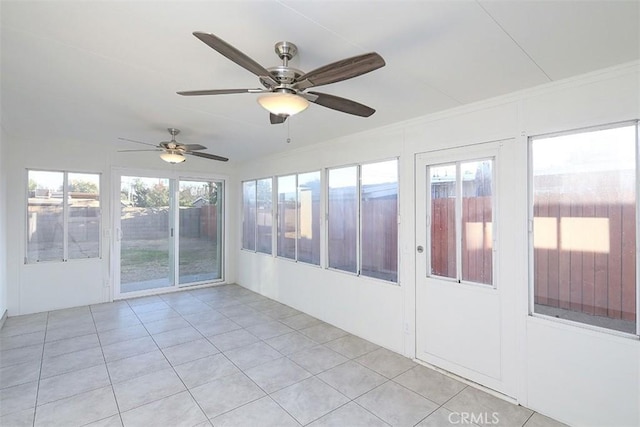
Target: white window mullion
(255, 219)
(65, 216)
(295, 256)
(174, 221)
(274, 216)
(458, 221)
(637, 229)
(359, 221)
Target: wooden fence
(477, 254)
(596, 282)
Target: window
(343, 219)
(257, 215)
(249, 215)
(309, 217)
(287, 216)
(63, 216)
(584, 195)
(264, 212)
(298, 234)
(461, 230)
(363, 219)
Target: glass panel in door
(200, 235)
(146, 244)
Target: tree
(186, 198)
(81, 186)
(212, 193)
(158, 196)
(140, 194)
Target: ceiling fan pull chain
(289, 131)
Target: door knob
(420, 249)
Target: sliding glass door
(169, 233)
(145, 234)
(200, 231)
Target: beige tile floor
(221, 356)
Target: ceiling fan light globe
(283, 104)
(172, 157)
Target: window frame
(530, 218)
(65, 216)
(276, 222)
(255, 228)
(490, 154)
(270, 178)
(242, 216)
(358, 237)
(276, 252)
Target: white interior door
(460, 314)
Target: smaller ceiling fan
(285, 88)
(173, 151)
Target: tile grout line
(247, 376)
(170, 364)
(44, 340)
(106, 367)
(260, 340)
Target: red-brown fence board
(601, 267)
(575, 279)
(614, 308)
(588, 270)
(542, 257)
(564, 265)
(595, 283)
(488, 254)
(628, 262)
(552, 257)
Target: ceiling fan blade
(193, 147)
(137, 142)
(131, 151)
(207, 156)
(276, 119)
(340, 104)
(341, 70)
(234, 55)
(219, 91)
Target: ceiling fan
(285, 87)
(173, 151)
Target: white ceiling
(94, 71)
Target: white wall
(54, 285)
(576, 376)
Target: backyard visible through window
(63, 216)
(584, 226)
(264, 215)
(461, 221)
(343, 219)
(298, 234)
(249, 215)
(309, 217)
(200, 231)
(444, 193)
(379, 220)
(286, 240)
(153, 212)
(363, 219)
(145, 245)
